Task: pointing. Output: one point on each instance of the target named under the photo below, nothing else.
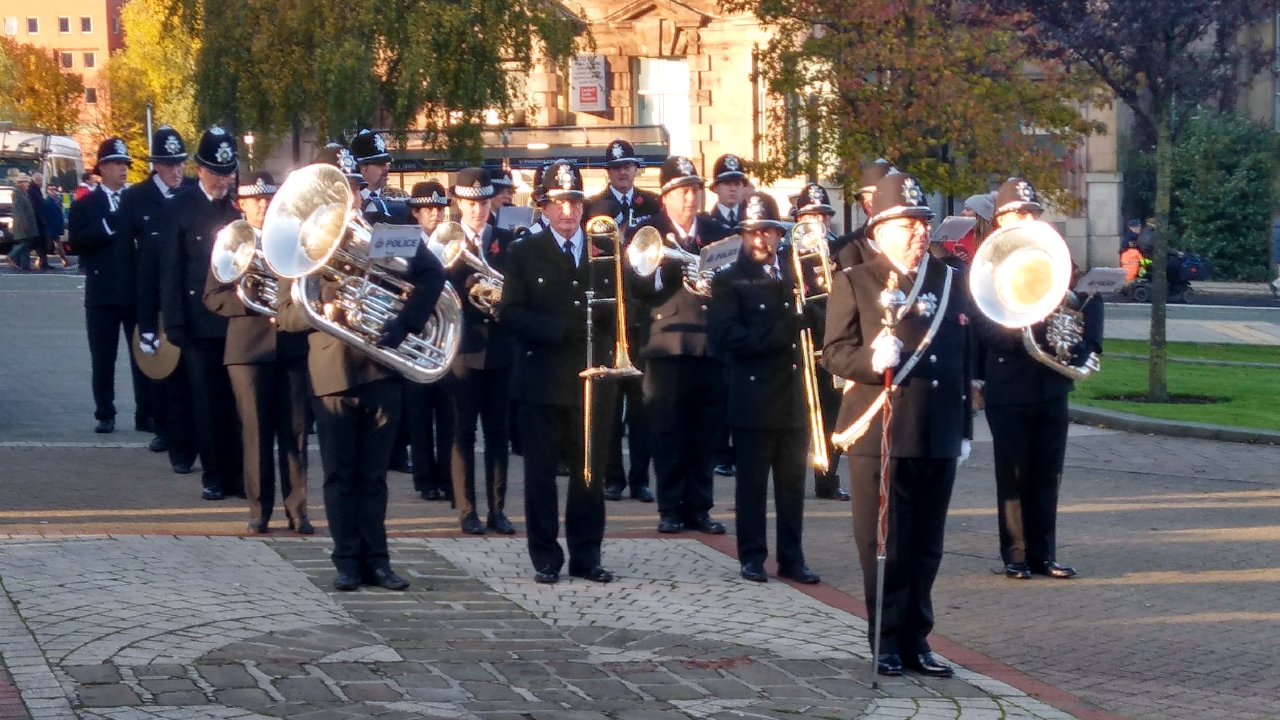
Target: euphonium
(486, 293)
(312, 233)
(238, 259)
(1021, 275)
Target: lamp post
(248, 141)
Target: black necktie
(771, 271)
(568, 251)
(733, 217)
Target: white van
(58, 157)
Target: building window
(86, 24)
(64, 25)
(33, 26)
(91, 95)
(90, 60)
(11, 26)
(662, 98)
(115, 24)
(66, 60)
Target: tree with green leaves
(36, 90)
(1161, 58)
(438, 67)
(940, 88)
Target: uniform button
(793, 366)
(576, 303)
(793, 346)
(934, 383)
(575, 282)
(539, 279)
(933, 358)
(761, 306)
(704, 307)
(658, 316)
(486, 321)
(271, 320)
(191, 292)
(786, 304)
(752, 378)
(999, 359)
(528, 353)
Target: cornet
(648, 250)
(237, 259)
(486, 293)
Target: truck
(29, 150)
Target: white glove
(965, 448)
(888, 352)
(149, 343)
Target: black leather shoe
(183, 468)
(259, 527)
(889, 664)
(644, 495)
(388, 580)
(926, 663)
(703, 523)
(158, 444)
(212, 493)
(1017, 571)
(837, 494)
(725, 470)
(754, 572)
(302, 526)
(499, 523)
(670, 524)
(801, 574)
(1054, 570)
(402, 466)
(471, 524)
(346, 582)
(547, 576)
(105, 426)
(595, 574)
(613, 494)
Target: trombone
(809, 245)
(604, 228)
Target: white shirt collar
(725, 210)
(212, 199)
(576, 241)
(692, 234)
(622, 197)
(165, 190)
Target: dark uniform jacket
(251, 338)
(106, 252)
(644, 205)
(724, 219)
(544, 306)
(1014, 377)
(188, 227)
(378, 209)
(677, 322)
(931, 410)
(755, 329)
(852, 249)
(141, 206)
(486, 343)
(336, 367)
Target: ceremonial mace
(891, 298)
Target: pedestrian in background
(55, 224)
(26, 223)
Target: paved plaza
(128, 597)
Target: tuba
(312, 233)
(809, 248)
(238, 259)
(1021, 275)
(486, 293)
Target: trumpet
(237, 259)
(1021, 275)
(487, 291)
(809, 245)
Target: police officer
(852, 248)
(932, 421)
(729, 183)
(268, 371)
(482, 369)
(1026, 408)
(754, 326)
(683, 382)
(96, 232)
(189, 225)
(813, 204)
(621, 200)
(430, 410)
(141, 206)
(357, 406)
(544, 306)
(374, 164)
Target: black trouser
(553, 433)
(685, 403)
(480, 394)
(629, 409)
(104, 323)
(270, 398)
(214, 410)
(1030, 443)
(782, 450)
(430, 417)
(400, 449)
(919, 493)
(826, 484)
(176, 422)
(356, 429)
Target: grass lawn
(1252, 395)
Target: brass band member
(853, 248)
(729, 183)
(627, 204)
(544, 306)
(374, 163)
(683, 382)
(754, 327)
(268, 370)
(931, 423)
(357, 406)
(482, 370)
(1026, 405)
(191, 223)
(430, 411)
